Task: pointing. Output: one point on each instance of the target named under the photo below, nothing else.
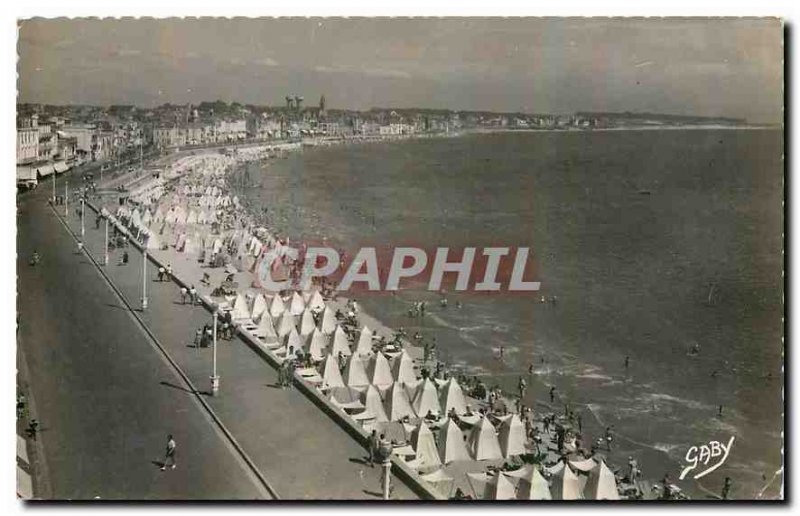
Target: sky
(708, 67)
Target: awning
(45, 170)
(26, 174)
(60, 166)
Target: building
(262, 128)
(230, 130)
(27, 145)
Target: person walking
(609, 438)
(193, 295)
(161, 271)
(726, 488)
(552, 394)
(373, 444)
(184, 293)
(169, 456)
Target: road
(102, 392)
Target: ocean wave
(655, 397)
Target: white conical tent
(266, 327)
(286, 324)
(316, 302)
(403, 369)
(397, 403)
(512, 437)
(307, 325)
(293, 343)
(565, 485)
(426, 399)
(240, 310)
(451, 443)
(380, 374)
(318, 344)
(425, 445)
(259, 307)
(364, 346)
(601, 484)
(297, 306)
(355, 375)
(374, 405)
(328, 325)
(276, 308)
(491, 487)
(331, 376)
(483, 441)
(532, 485)
(502, 488)
(452, 397)
(341, 346)
(441, 481)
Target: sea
(653, 242)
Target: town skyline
(673, 66)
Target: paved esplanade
(107, 399)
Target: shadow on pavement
(184, 389)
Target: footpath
(301, 451)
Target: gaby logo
(702, 455)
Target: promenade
(300, 451)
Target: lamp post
(214, 376)
(66, 199)
(105, 249)
(144, 279)
(83, 227)
(54, 187)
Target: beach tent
(153, 242)
(403, 369)
(318, 344)
(328, 321)
(397, 403)
(380, 374)
(286, 323)
(565, 484)
(331, 376)
(425, 446)
(276, 308)
(451, 443)
(601, 484)
(355, 375)
(192, 217)
(307, 325)
(293, 343)
(426, 399)
(441, 481)
(491, 487)
(266, 327)
(240, 310)
(364, 346)
(374, 404)
(512, 436)
(532, 485)
(483, 441)
(316, 302)
(259, 307)
(452, 397)
(340, 343)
